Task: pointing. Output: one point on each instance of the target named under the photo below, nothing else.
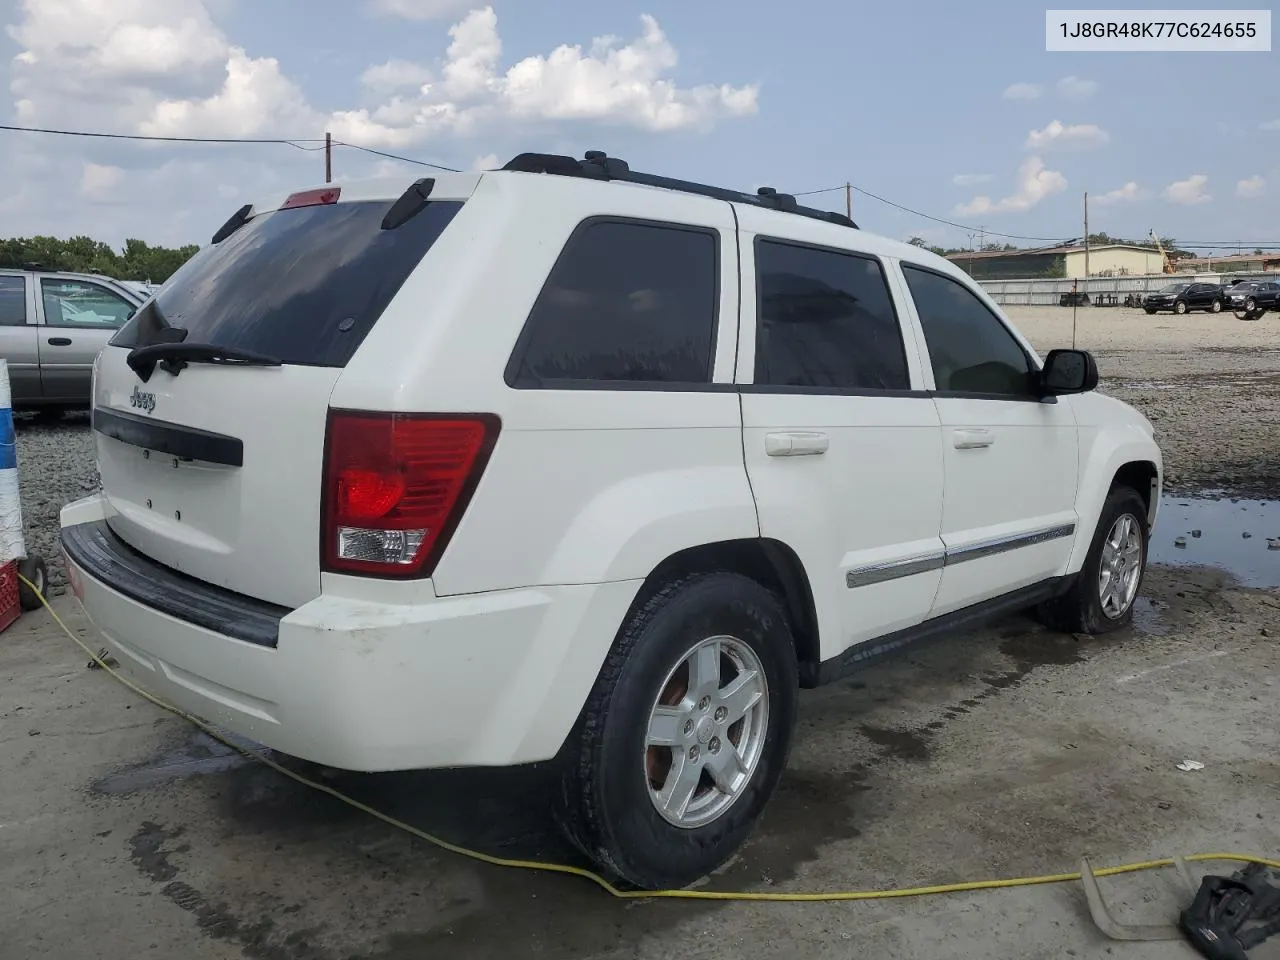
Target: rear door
(842, 444)
(18, 337)
(215, 469)
(1011, 459)
(77, 318)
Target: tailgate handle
(59, 341)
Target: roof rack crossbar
(598, 166)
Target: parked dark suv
(1252, 298)
(1182, 297)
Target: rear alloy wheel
(1102, 597)
(1217, 306)
(1180, 307)
(686, 733)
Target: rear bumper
(488, 679)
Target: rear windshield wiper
(173, 357)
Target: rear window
(304, 285)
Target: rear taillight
(396, 486)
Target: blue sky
(911, 101)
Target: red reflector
(395, 488)
(311, 198)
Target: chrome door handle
(795, 444)
(972, 439)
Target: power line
(392, 156)
(294, 142)
(298, 144)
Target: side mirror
(1069, 371)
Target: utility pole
(328, 157)
(1086, 236)
(848, 200)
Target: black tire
(605, 807)
(1251, 309)
(33, 569)
(1217, 306)
(1149, 311)
(1080, 609)
(1180, 307)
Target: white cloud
(1035, 183)
(609, 83)
(489, 161)
(1022, 91)
(970, 179)
(1058, 134)
(420, 9)
(255, 98)
(1073, 88)
(1188, 192)
(99, 182)
(1251, 186)
(1129, 192)
(1270, 125)
(165, 67)
(395, 75)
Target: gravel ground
(55, 466)
(1210, 384)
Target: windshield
(1174, 288)
(304, 285)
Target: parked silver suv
(52, 325)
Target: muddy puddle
(1231, 534)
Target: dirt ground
(124, 834)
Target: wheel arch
(1134, 461)
(769, 562)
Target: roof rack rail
(597, 165)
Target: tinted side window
(825, 319)
(626, 301)
(75, 303)
(970, 349)
(13, 301)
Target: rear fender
(627, 529)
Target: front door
(842, 444)
(78, 318)
(1011, 458)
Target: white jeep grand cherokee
(565, 461)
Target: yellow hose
(609, 888)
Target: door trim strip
(896, 569)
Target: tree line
(137, 261)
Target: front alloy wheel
(1120, 569)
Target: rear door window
(13, 301)
(825, 319)
(626, 301)
(304, 285)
